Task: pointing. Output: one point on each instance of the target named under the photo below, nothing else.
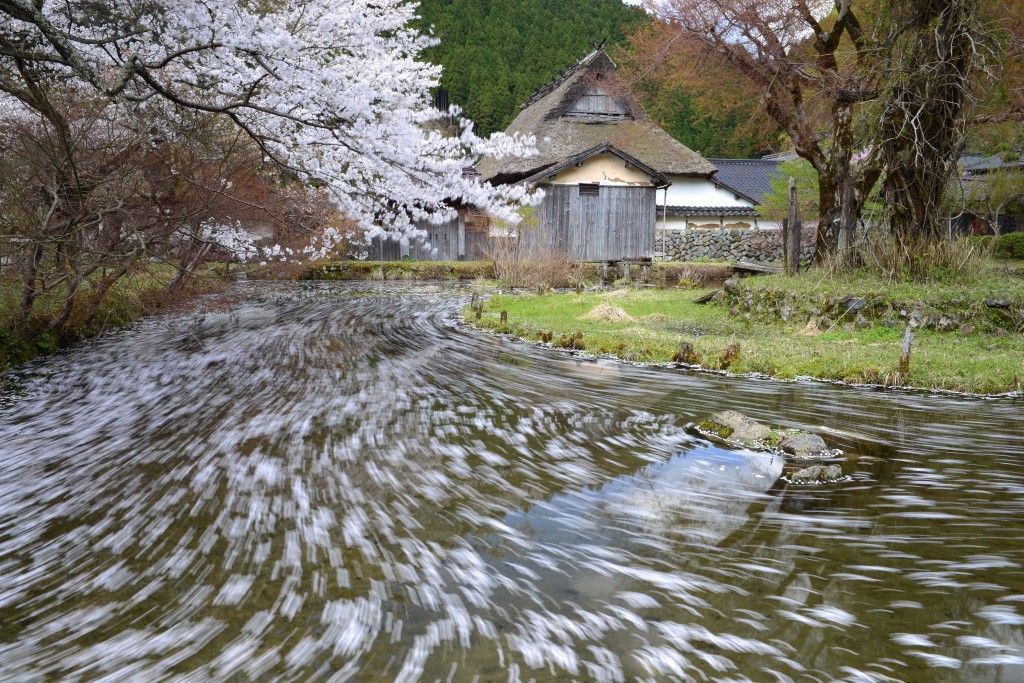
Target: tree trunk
(828, 210)
(29, 291)
(190, 260)
(846, 252)
(923, 125)
(60, 323)
(92, 307)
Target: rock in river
(816, 474)
(739, 430)
(804, 445)
(737, 427)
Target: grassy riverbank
(982, 354)
(564, 273)
(131, 298)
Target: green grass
(134, 296)
(979, 363)
(990, 281)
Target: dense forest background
(496, 53)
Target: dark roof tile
(685, 211)
(750, 178)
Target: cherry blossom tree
(332, 92)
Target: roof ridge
(545, 89)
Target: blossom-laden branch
(333, 91)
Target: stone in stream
(738, 429)
(804, 445)
(816, 474)
(733, 426)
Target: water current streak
(337, 483)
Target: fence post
(908, 341)
(791, 229)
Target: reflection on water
(336, 483)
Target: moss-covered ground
(658, 273)
(134, 296)
(660, 320)
(990, 280)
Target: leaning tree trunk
(29, 287)
(923, 125)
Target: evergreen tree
(496, 53)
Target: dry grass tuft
(918, 260)
(533, 267)
(812, 328)
(606, 313)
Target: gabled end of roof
(660, 179)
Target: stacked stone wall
(759, 246)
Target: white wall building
(725, 200)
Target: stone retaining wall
(762, 246)
(993, 315)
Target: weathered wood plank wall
(445, 238)
(617, 223)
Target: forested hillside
(496, 53)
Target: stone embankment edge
(461, 322)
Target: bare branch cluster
(865, 91)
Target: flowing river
(333, 482)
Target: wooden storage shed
(463, 238)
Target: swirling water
(337, 483)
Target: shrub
(1010, 245)
(920, 259)
(533, 267)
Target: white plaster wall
(606, 169)
(681, 222)
(699, 192)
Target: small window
(589, 189)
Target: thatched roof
(561, 137)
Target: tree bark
(29, 290)
(923, 125)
